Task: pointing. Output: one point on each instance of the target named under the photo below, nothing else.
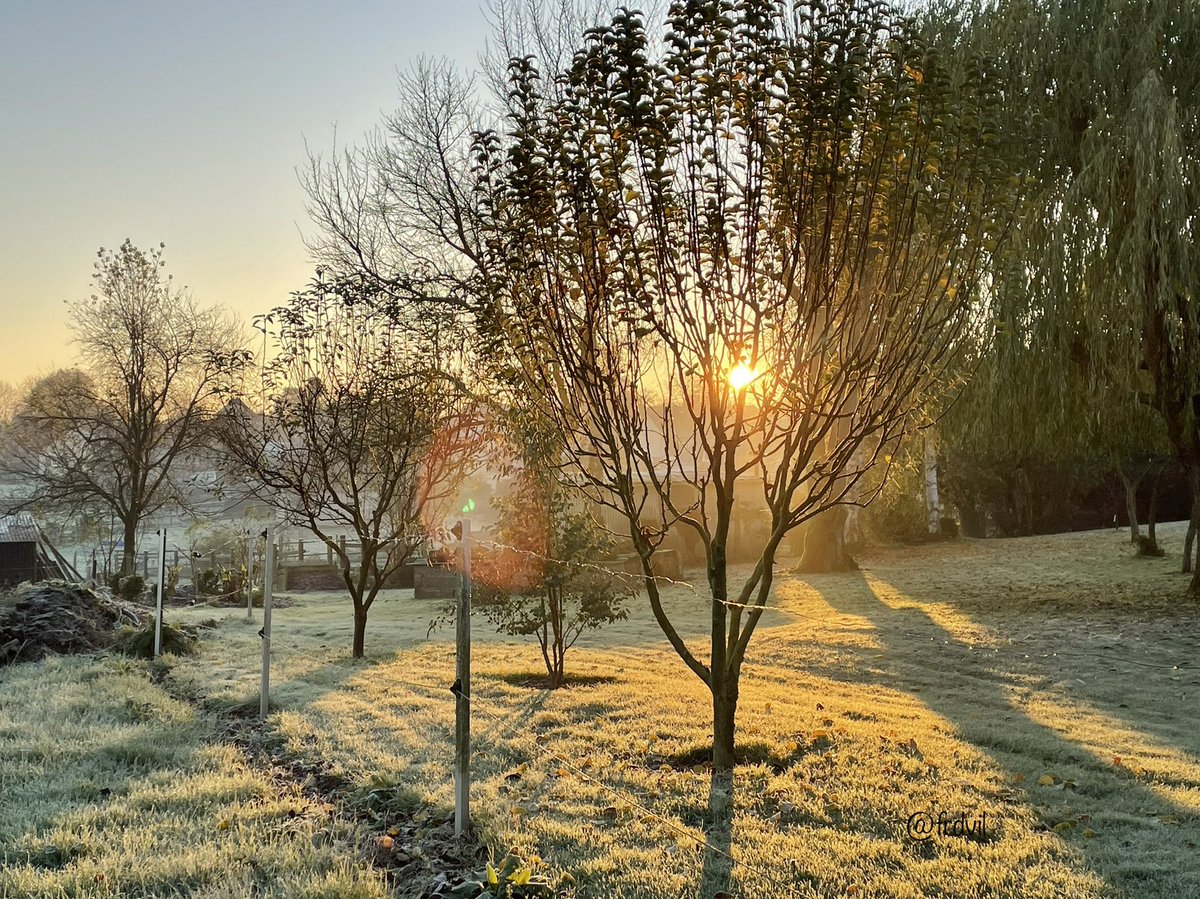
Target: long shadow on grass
(919, 656)
(1102, 674)
(717, 872)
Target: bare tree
(365, 428)
(113, 432)
(738, 260)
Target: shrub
(130, 588)
(139, 641)
(542, 579)
(221, 581)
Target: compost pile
(56, 617)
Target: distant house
(26, 554)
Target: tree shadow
(716, 875)
(978, 694)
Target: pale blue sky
(183, 123)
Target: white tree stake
(268, 578)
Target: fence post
(158, 611)
(462, 671)
(249, 579)
(300, 550)
(268, 578)
(329, 553)
(146, 562)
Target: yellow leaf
(1063, 826)
(223, 824)
(1018, 778)
(1089, 833)
(1046, 780)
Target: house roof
(19, 528)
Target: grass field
(1028, 684)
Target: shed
(26, 554)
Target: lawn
(1027, 685)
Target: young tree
(737, 260)
(543, 577)
(366, 428)
(114, 431)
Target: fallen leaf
(1046, 780)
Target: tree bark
(129, 552)
(725, 699)
(1131, 514)
(825, 544)
(360, 630)
(973, 521)
(933, 504)
(1152, 511)
(1194, 587)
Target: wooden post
(158, 612)
(268, 572)
(300, 550)
(175, 558)
(462, 671)
(146, 563)
(249, 579)
(329, 553)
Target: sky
(184, 123)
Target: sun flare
(741, 375)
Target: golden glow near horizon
(741, 375)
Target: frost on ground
(1045, 686)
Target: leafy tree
(1107, 249)
(113, 432)
(542, 578)
(365, 428)
(741, 259)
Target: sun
(741, 375)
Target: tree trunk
(724, 725)
(933, 505)
(1131, 515)
(973, 521)
(1193, 521)
(1152, 511)
(825, 544)
(1194, 587)
(360, 630)
(129, 553)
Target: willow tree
(1109, 235)
(738, 261)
